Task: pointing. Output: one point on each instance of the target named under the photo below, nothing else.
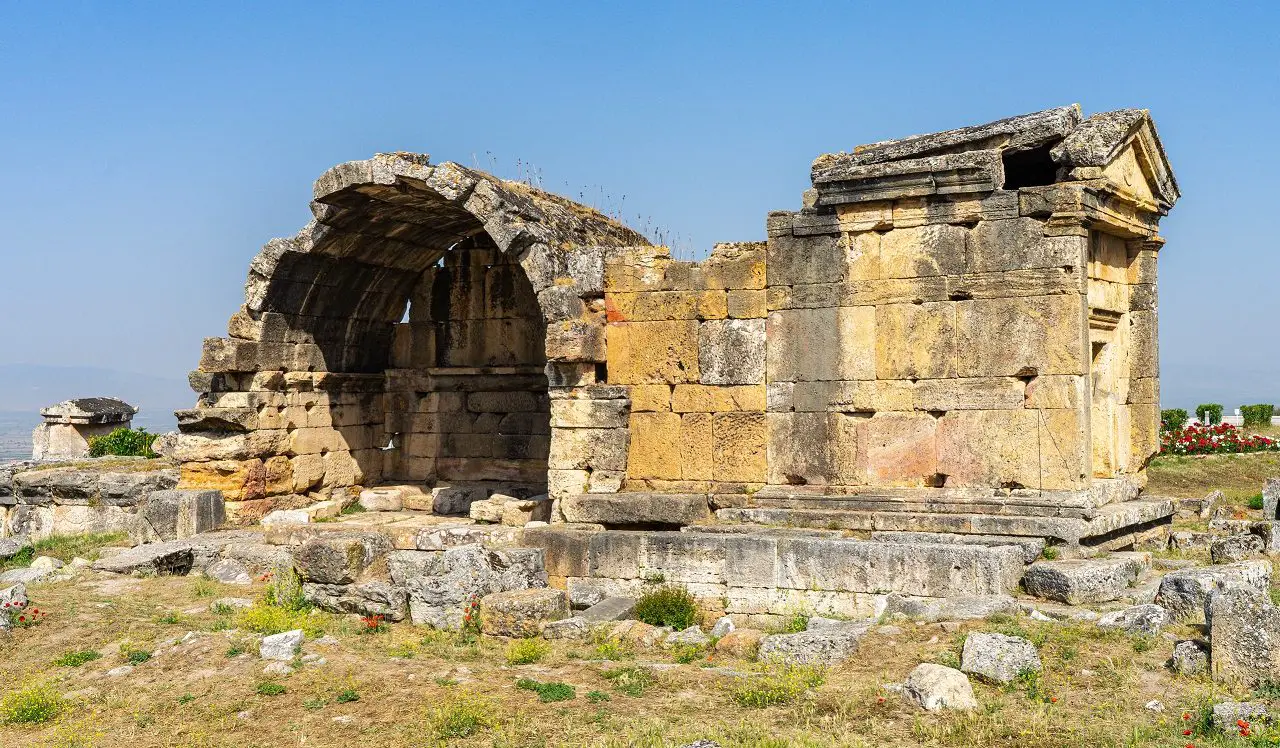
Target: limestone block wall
(926, 343)
(688, 341)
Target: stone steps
(1114, 525)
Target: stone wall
(950, 319)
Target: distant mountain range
(26, 388)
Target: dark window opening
(1030, 168)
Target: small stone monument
(67, 426)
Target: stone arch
(323, 373)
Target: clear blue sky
(149, 149)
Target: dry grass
(1237, 476)
(419, 688)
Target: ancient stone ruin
(69, 425)
(956, 333)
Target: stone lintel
(974, 172)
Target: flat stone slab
(997, 657)
(609, 609)
(407, 530)
(828, 645)
(522, 613)
(1031, 547)
(637, 508)
(958, 608)
(1081, 581)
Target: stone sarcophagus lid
(70, 424)
(956, 332)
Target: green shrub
(669, 605)
(1256, 415)
(32, 704)
(123, 443)
(135, 656)
(553, 691)
(267, 688)
(347, 696)
(595, 697)
(461, 715)
(285, 590)
(1209, 413)
(1172, 419)
(1254, 501)
(76, 659)
(526, 651)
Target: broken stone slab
(381, 500)
(339, 557)
(693, 636)
(1186, 591)
(370, 598)
(171, 557)
(937, 687)
(1140, 620)
(997, 657)
(282, 646)
(825, 646)
(455, 500)
(522, 613)
(177, 514)
(1244, 636)
(228, 571)
(609, 609)
(9, 548)
(441, 583)
(1190, 657)
(566, 628)
(1142, 593)
(637, 508)
(1235, 548)
(722, 627)
(286, 517)
(1190, 540)
(956, 608)
(90, 485)
(1031, 547)
(1227, 715)
(1081, 581)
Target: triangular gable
(1122, 147)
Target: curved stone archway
(408, 333)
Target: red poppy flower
(1186, 732)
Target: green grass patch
(554, 691)
(267, 688)
(462, 715)
(76, 659)
(64, 548)
(346, 696)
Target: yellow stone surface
(740, 452)
(936, 249)
(1064, 459)
(653, 352)
(650, 397)
(862, 253)
(695, 444)
(654, 451)
(915, 341)
(666, 305)
(865, 216)
(747, 304)
(1057, 391)
(989, 448)
(1023, 336)
(701, 398)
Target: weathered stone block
(998, 658)
(653, 453)
(911, 569)
(699, 398)
(937, 687)
(740, 447)
(826, 646)
(1186, 591)
(595, 449)
(1244, 630)
(796, 260)
(922, 251)
(582, 413)
(915, 341)
(1081, 581)
(821, 344)
(176, 514)
(522, 613)
(895, 449)
(732, 351)
(1025, 336)
(653, 352)
(990, 448)
(339, 557)
(637, 508)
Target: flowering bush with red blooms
(20, 616)
(373, 624)
(471, 616)
(1196, 439)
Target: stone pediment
(1123, 148)
(1044, 148)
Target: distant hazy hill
(29, 387)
